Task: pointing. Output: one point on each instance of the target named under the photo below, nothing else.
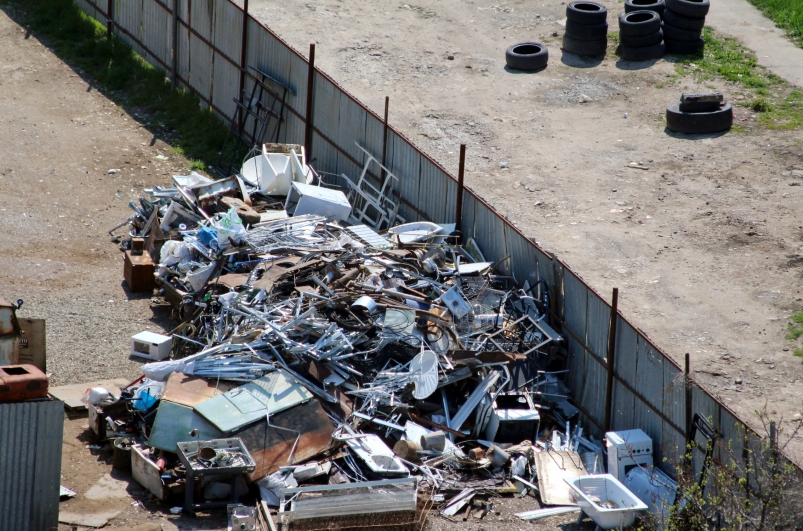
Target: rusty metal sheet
(192, 390)
(9, 350)
(270, 446)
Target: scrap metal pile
(361, 371)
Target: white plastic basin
(605, 500)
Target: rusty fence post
(243, 58)
(308, 116)
(610, 361)
(174, 65)
(109, 17)
(385, 139)
(461, 172)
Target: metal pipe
(687, 398)
(458, 216)
(610, 359)
(308, 116)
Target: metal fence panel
(30, 439)
(200, 79)
(157, 28)
(490, 235)
(599, 316)
(623, 404)
(351, 129)
(649, 374)
(90, 10)
(575, 364)
(626, 357)
(374, 134)
(576, 305)
(674, 395)
(646, 419)
(594, 385)
(228, 32)
(202, 15)
(523, 257)
(225, 87)
(432, 193)
(128, 15)
(470, 203)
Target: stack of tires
(640, 34)
(698, 114)
(683, 25)
(586, 29)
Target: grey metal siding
(30, 461)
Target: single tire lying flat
(638, 41)
(584, 48)
(643, 53)
(586, 12)
(587, 32)
(645, 5)
(527, 56)
(674, 34)
(683, 47)
(689, 8)
(682, 22)
(698, 123)
(639, 23)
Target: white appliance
(151, 346)
(627, 449)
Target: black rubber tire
(586, 13)
(683, 47)
(527, 56)
(674, 34)
(708, 106)
(638, 41)
(643, 53)
(684, 23)
(587, 32)
(639, 23)
(698, 123)
(689, 8)
(584, 48)
(645, 5)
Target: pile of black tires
(683, 25)
(586, 29)
(640, 30)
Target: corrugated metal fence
(649, 387)
(30, 465)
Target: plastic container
(595, 492)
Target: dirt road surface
(705, 246)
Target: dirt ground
(706, 245)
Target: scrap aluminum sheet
(30, 459)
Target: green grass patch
(777, 104)
(124, 76)
(787, 14)
(796, 326)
